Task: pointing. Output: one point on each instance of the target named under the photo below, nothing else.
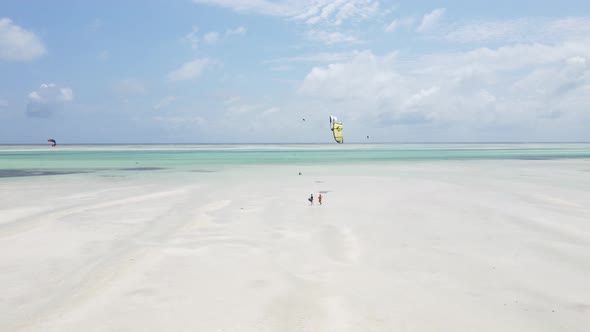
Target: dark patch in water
(534, 158)
(141, 169)
(13, 173)
(202, 171)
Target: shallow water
(18, 161)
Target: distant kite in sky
(54, 143)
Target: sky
(251, 71)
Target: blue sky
(208, 71)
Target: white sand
(446, 246)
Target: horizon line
(306, 143)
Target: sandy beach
(496, 245)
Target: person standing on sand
(310, 199)
(320, 199)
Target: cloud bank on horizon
(249, 70)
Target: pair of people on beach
(310, 199)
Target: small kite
(53, 142)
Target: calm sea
(24, 160)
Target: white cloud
(211, 37)
(232, 100)
(236, 106)
(130, 87)
(165, 102)
(271, 110)
(254, 116)
(47, 99)
(190, 70)
(431, 19)
(566, 77)
(354, 9)
(516, 87)
(506, 58)
(417, 98)
(364, 76)
(577, 60)
(237, 31)
(330, 38)
(239, 109)
(192, 38)
(335, 12)
(176, 122)
(307, 11)
(320, 57)
(255, 6)
(521, 30)
(399, 23)
(18, 44)
(51, 93)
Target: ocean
(35, 160)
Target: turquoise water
(34, 160)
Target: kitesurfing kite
(336, 128)
(53, 142)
